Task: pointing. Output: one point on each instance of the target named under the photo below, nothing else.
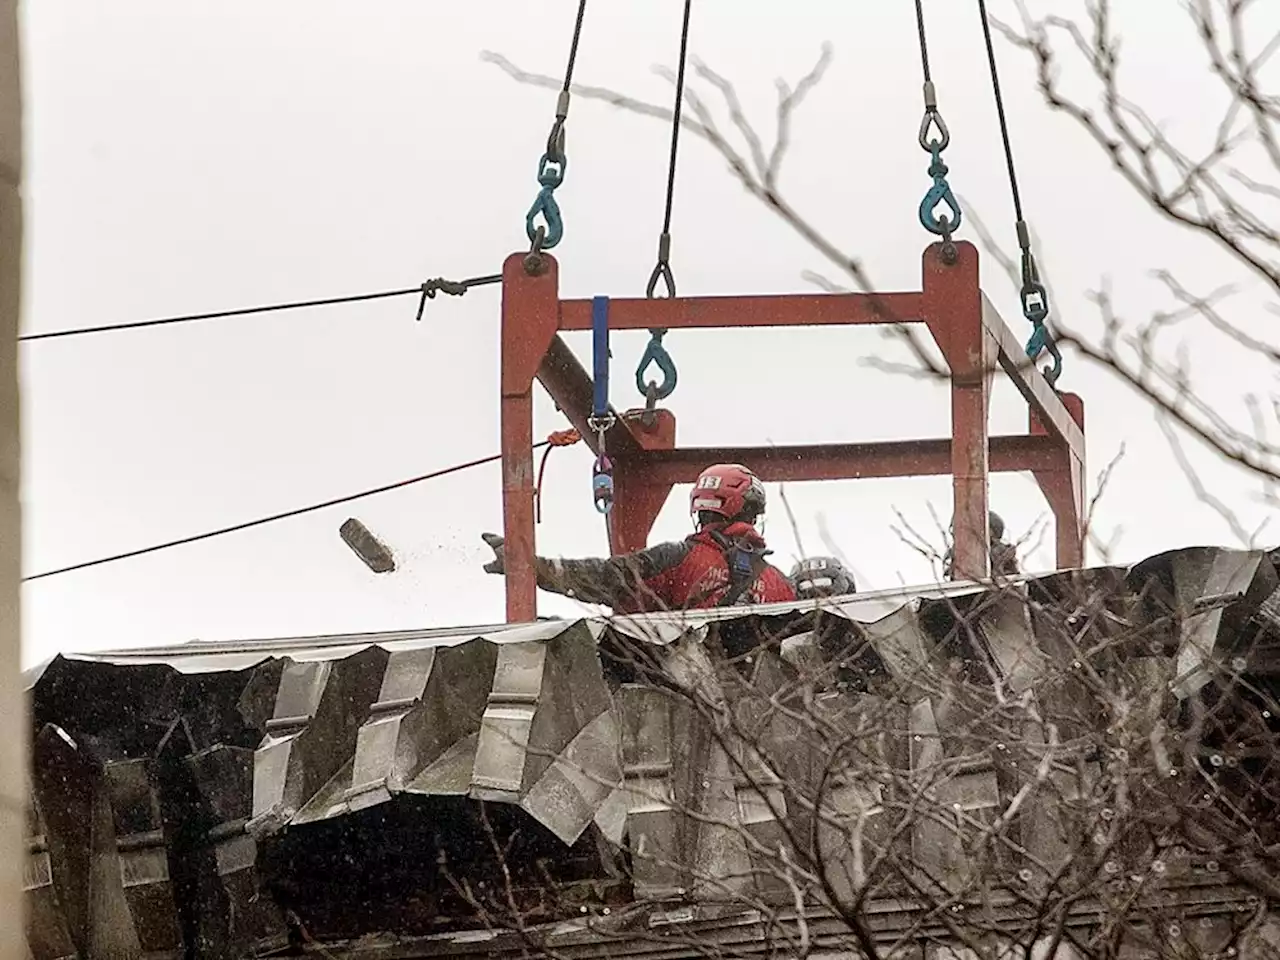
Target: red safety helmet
(729, 490)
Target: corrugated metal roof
(286, 738)
(208, 656)
(205, 656)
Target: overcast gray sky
(201, 155)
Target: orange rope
(564, 438)
(557, 438)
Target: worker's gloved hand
(496, 565)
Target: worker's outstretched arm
(614, 581)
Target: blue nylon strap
(600, 353)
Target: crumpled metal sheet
(526, 721)
(233, 916)
(208, 656)
(1193, 586)
(526, 715)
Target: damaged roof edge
(212, 656)
(204, 656)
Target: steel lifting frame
(970, 334)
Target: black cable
(555, 139)
(924, 43)
(1034, 296)
(573, 45)
(424, 290)
(675, 120)
(271, 519)
(1004, 125)
(662, 269)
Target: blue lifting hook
(939, 194)
(550, 176)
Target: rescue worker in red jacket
(722, 564)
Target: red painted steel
(972, 337)
(790, 310)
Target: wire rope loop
(555, 147)
(661, 274)
(602, 483)
(933, 120)
(1041, 339)
(656, 353)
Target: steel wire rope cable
(562, 115)
(940, 193)
(284, 515)
(552, 166)
(655, 352)
(426, 291)
(924, 42)
(1033, 296)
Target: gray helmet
(995, 525)
(821, 577)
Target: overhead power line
(425, 291)
(248, 524)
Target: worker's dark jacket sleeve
(1004, 560)
(619, 582)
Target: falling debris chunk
(376, 555)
